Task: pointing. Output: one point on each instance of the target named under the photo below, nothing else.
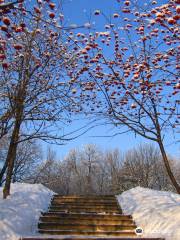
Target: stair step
(87, 233)
(108, 204)
(87, 216)
(84, 199)
(85, 207)
(89, 238)
(82, 205)
(56, 201)
(83, 196)
(83, 226)
(85, 221)
(83, 211)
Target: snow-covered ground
(156, 212)
(19, 213)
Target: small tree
(144, 165)
(27, 158)
(135, 85)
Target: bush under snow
(19, 213)
(156, 212)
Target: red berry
(5, 65)
(171, 21)
(127, 3)
(51, 15)
(176, 17)
(17, 46)
(6, 21)
(133, 105)
(178, 9)
(4, 28)
(37, 10)
(115, 15)
(178, 86)
(18, 29)
(2, 56)
(52, 5)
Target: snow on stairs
(85, 217)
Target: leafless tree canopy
(28, 156)
(91, 170)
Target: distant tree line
(91, 170)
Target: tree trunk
(11, 157)
(168, 168)
(3, 170)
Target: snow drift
(19, 213)
(156, 212)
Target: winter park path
(86, 217)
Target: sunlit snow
(156, 212)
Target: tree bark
(3, 170)
(18, 110)
(168, 168)
(11, 156)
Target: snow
(156, 212)
(19, 213)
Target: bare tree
(36, 60)
(90, 170)
(27, 158)
(135, 87)
(143, 166)
(90, 157)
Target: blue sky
(79, 12)
(123, 142)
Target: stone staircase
(85, 217)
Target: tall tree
(36, 56)
(132, 69)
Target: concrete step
(61, 207)
(84, 196)
(89, 238)
(87, 216)
(90, 203)
(89, 233)
(85, 221)
(83, 210)
(82, 205)
(84, 202)
(76, 199)
(85, 227)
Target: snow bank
(19, 213)
(156, 212)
